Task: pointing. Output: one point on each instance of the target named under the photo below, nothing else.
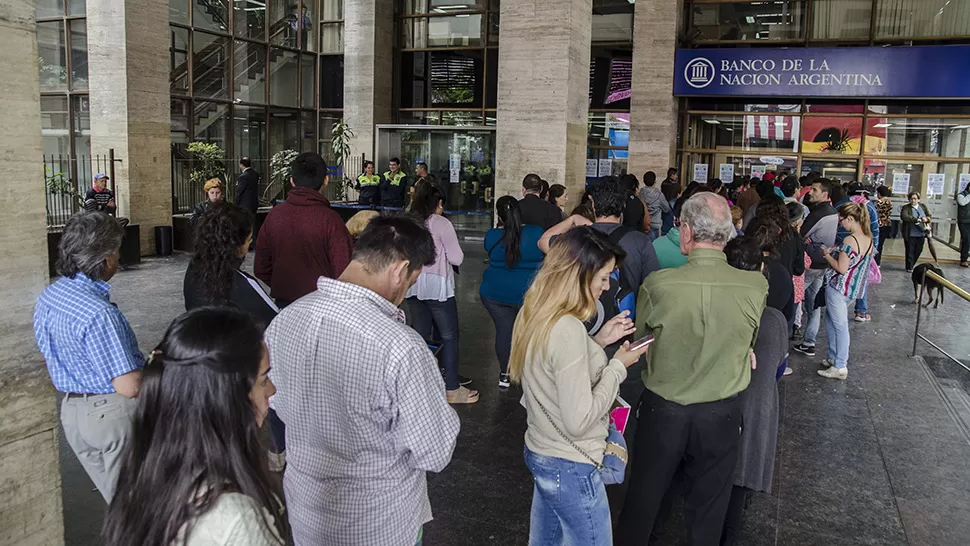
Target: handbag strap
(598, 465)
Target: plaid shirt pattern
(84, 338)
(366, 417)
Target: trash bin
(163, 240)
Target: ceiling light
(882, 125)
(712, 121)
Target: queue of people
(604, 307)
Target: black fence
(186, 193)
(68, 178)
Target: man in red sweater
(303, 238)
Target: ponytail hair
(859, 213)
(508, 212)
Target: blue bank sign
(930, 71)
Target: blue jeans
(862, 303)
(503, 315)
(654, 234)
(569, 504)
(837, 326)
(444, 316)
(813, 283)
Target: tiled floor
(877, 459)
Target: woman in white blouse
(194, 471)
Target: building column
(543, 93)
(30, 494)
(653, 107)
(128, 78)
(368, 70)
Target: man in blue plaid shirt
(90, 349)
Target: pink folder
(620, 414)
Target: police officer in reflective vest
(395, 185)
(369, 186)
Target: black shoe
(462, 380)
(795, 333)
(804, 349)
(504, 381)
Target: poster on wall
(591, 166)
(606, 167)
(900, 183)
(757, 171)
(700, 173)
(454, 168)
(726, 172)
(964, 181)
(935, 184)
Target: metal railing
(952, 288)
(68, 178)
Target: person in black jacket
(213, 194)
(247, 187)
(535, 210)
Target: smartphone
(642, 342)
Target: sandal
(462, 395)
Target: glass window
(249, 18)
(613, 27)
(456, 78)
(249, 77)
(180, 120)
(843, 170)
(756, 131)
(54, 119)
(417, 118)
(284, 130)
(491, 78)
(946, 107)
(609, 130)
(210, 63)
(833, 19)
(283, 77)
(778, 20)
(454, 31)
(79, 54)
(76, 7)
(917, 136)
(916, 18)
(82, 125)
(327, 121)
(308, 31)
(451, 117)
(332, 38)
(52, 56)
(830, 134)
(178, 11)
(211, 15)
(210, 120)
(308, 78)
(727, 105)
(308, 131)
(287, 22)
(412, 7)
(49, 8)
(333, 10)
(493, 27)
(249, 125)
(332, 81)
(179, 60)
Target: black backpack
(617, 298)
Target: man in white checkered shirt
(362, 399)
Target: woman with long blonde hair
(569, 386)
(845, 281)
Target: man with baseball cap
(100, 198)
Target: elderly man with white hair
(705, 316)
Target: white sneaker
(834, 373)
(826, 363)
(277, 461)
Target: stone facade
(368, 70)
(543, 93)
(30, 481)
(653, 108)
(128, 71)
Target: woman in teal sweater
(513, 259)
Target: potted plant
(279, 168)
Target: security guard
(395, 185)
(369, 186)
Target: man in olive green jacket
(705, 316)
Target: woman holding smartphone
(569, 386)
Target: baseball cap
(99, 176)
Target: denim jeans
(444, 316)
(503, 315)
(862, 303)
(837, 326)
(813, 283)
(654, 234)
(569, 504)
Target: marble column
(30, 481)
(128, 77)
(368, 70)
(653, 108)
(543, 93)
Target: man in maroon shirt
(303, 238)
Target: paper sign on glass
(726, 172)
(757, 171)
(606, 167)
(591, 166)
(935, 184)
(700, 173)
(964, 181)
(900, 183)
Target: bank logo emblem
(699, 73)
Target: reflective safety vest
(365, 180)
(396, 180)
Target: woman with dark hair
(213, 277)
(544, 193)
(369, 186)
(759, 402)
(790, 248)
(513, 258)
(558, 196)
(781, 289)
(916, 230)
(194, 472)
(634, 211)
(431, 300)
(569, 385)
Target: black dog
(931, 284)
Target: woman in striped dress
(845, 281)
